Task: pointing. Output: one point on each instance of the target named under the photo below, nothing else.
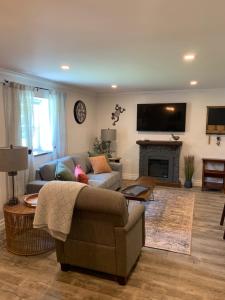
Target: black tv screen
(161, 117)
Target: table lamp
(13, 159)
(109, 136)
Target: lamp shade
(14, 158)
(108, 135)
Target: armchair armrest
(134, 216)
(129, 240)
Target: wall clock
(79, 112)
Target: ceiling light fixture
(114, 86)
(193, 82)
(65, 67)
(189, 57)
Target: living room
(122, 54)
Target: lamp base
(13, 201)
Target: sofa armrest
(116, 166)
(129, 241)
(35, 186)
(38, 175)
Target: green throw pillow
(63, 173)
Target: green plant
(189, 166)
(101, 147)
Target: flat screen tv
(168, 117)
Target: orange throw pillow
(100, 164)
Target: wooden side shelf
(206, 174)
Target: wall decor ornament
(79, 112)
(175, 137)
(116, 115)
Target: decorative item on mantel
(218, 140)
(116, 115)
(175, 137)
(189, 170)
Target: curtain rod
(40, 88)
(35, 87)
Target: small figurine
(116, 115)
(218, 140)
(175, 137)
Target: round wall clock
(79, 112)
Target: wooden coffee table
(145, 196)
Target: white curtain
(18, 125)
(58, 122)
(18, 106)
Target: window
(41, 130)
(42, 137)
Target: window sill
(42, 153)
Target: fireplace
(158, 168)
(160, 159)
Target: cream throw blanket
(56, 201)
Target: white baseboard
(196, 182)
(130, 176)
(2, 224)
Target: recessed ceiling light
(114, 86)
(65, 67)
(189, 56)
(193, 82)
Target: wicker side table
(21, 237)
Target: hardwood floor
(158, 274)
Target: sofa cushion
(104, 180)
(82, 160)
(63, 172)
(68, 161)
(47, 171)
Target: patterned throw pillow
(63, 172)
(100, 164)
(80, 174)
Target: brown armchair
(103, 236)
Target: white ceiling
(137, 44)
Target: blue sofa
(46, 173)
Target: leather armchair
(103, 236)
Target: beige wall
(195, 141)
(80, 137)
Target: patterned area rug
(168, 220)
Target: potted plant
(189, 170)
